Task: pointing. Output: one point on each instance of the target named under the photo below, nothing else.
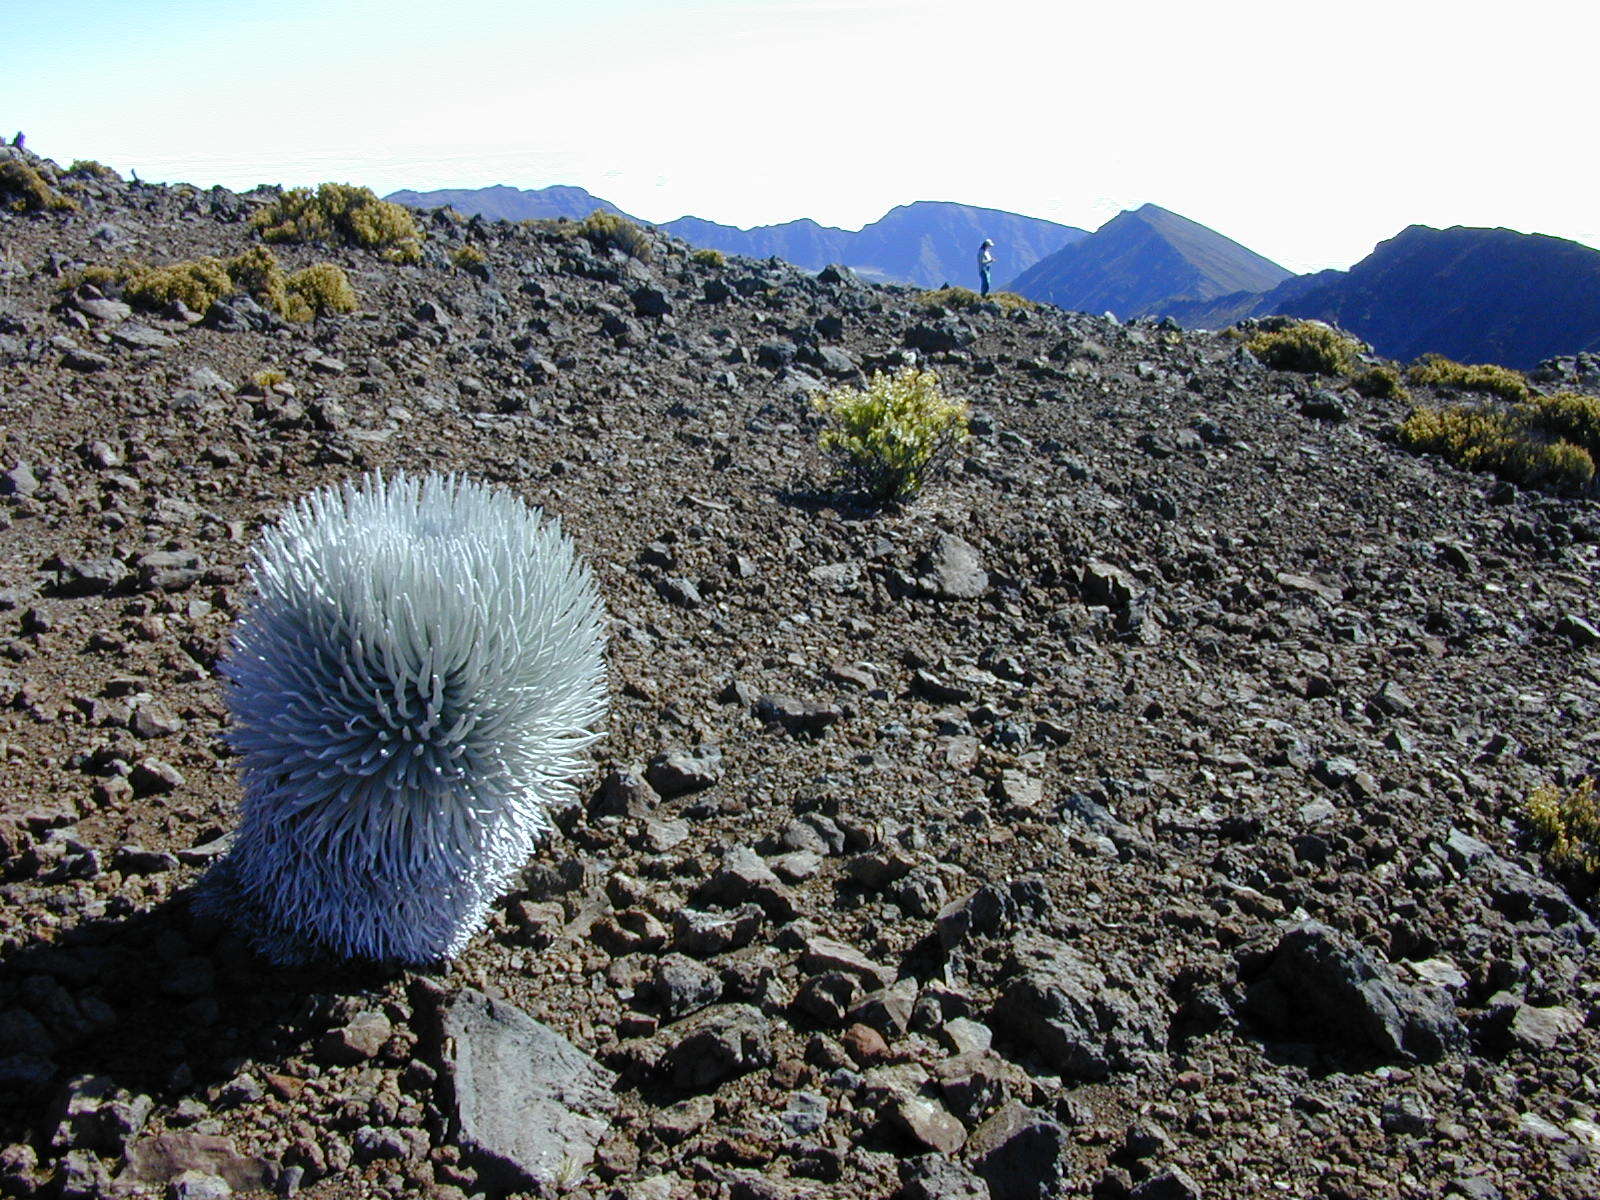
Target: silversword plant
(412, 689)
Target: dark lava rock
(1073, 1016)
(1315, 985)
(679, 771)
(716, 1045)
(1019, 1153)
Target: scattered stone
(716, 1045)
(679, 771)
(157, 1161)
(1020, 1154)
(529, 1106)
(952, 570)
(1069, 1012)
(357, 1040)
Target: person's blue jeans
(983, 275)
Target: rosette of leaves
(412, 689)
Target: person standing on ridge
(985, 261)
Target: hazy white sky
(1307, 132)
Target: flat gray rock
(952, 570)
(529, 1104)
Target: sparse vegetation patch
(1434, 370)
(1307, 346)
(607, 231)
(340, 213)
(23, 189)
(1514, 444)
(319, 290)
(1566, 823)
(962, 297)
(88, 168)
(707, 257)
(1380, 383)
(197, 283)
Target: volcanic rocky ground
(1136, 813)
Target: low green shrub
(1380, 383)
(88, 168)
(341, 213)
(1306, 346)
(258, 272)
(23, 189)
(316, 291)
(1571, 416)
(962, 297)
(269, 378)
(1011, 302)
(1434, 370)
(893, 435)
(1505, 442)
(1566, 823)
(608, 231)
(708, 257)
(469, 256)
(319, 290)
(198, 283)
(950, 297)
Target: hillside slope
(1142, 260)
(1136, 813)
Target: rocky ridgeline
(1134, 815)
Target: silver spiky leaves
(412, 689)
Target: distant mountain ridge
(1142, 260)
(502, 203)
(926, 243)
(1475, 294)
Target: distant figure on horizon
(18, 142)
(985, 261)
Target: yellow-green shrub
(1434, 370)
(1305, 346)
(950, 297)
(1566, 822)
(318, 291)
(342, 213)
(269, 378)
(88, 168)
(1381, 383)
(198, 283)
(1010, 301)
(23, 189)
(469, 256)
(1503, 442)
(708, 257)
(892, 435)
(963, 297)
(1570, 416)
(607, 230)
(258, 272)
